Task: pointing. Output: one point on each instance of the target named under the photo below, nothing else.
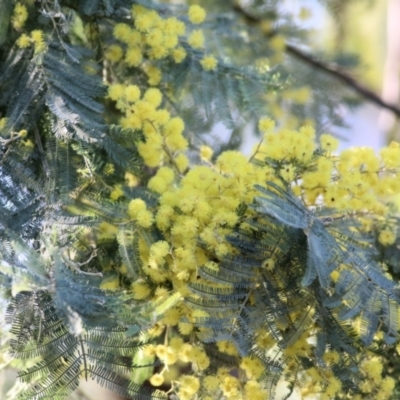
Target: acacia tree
(141, 250)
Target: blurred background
(370, 30)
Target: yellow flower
(110, 284)
(23, 41)
(328, 142)
(182, 162)
(153, 96)
(135, 207)
(206, 153)
(132, 93)
(173, 26)
(140, 290)
(170, 41)
(19, 17)
(154, 75)
(179, 54)
(116, 91)
(209, 63)
(391, 155)
(155, 38)
(144, 22)
(157, 380)
(134, 56)
(191, 384)
(38, 40)
(107, 230)
(252, 366)
(116, 193)
(145, 219)
(196, 39)
(122, 32)
(196, 14)
(113, 53)
(387, 237)
(266, 124)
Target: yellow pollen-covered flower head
(196, 14)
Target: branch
(327, 68)
(342, 76)
(76, 266)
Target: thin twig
(329, 69)
(343, 76)
(76, 266)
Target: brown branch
(342, 76)
(329, 69)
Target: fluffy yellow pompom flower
(196, 39)
(122, 32)
(38, 40)
(116, 193)
(328, 142)
(189, 383)
(135, 207)
(113, 53)
(266, 124)
(182, 162)
(132, 93)
(19, 17)
(159, 250)
(154, 75)
(387, 237)
(110, 284)
(170, 41)
(157, 380)
(173, 26)
(206, 153)
(196, 14)
(179, 54)
(134, 56)
(107, 230)
(116, 91)
(211, 383)
(209, 63)
(155, 38)
(23, 41)
(140, 290)
(391, 155)
(145, 219)
(153, 96)
(131, 179)
(174, 126)
(144, 22)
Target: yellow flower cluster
(19, 17)
(164, 138)
(356, 181)
(321, 382)
(138, 211)
(196, 14)
(200, 203)
(196, 39)
(374, 384)
(37, 38)
(209, 63)
(152, 37)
